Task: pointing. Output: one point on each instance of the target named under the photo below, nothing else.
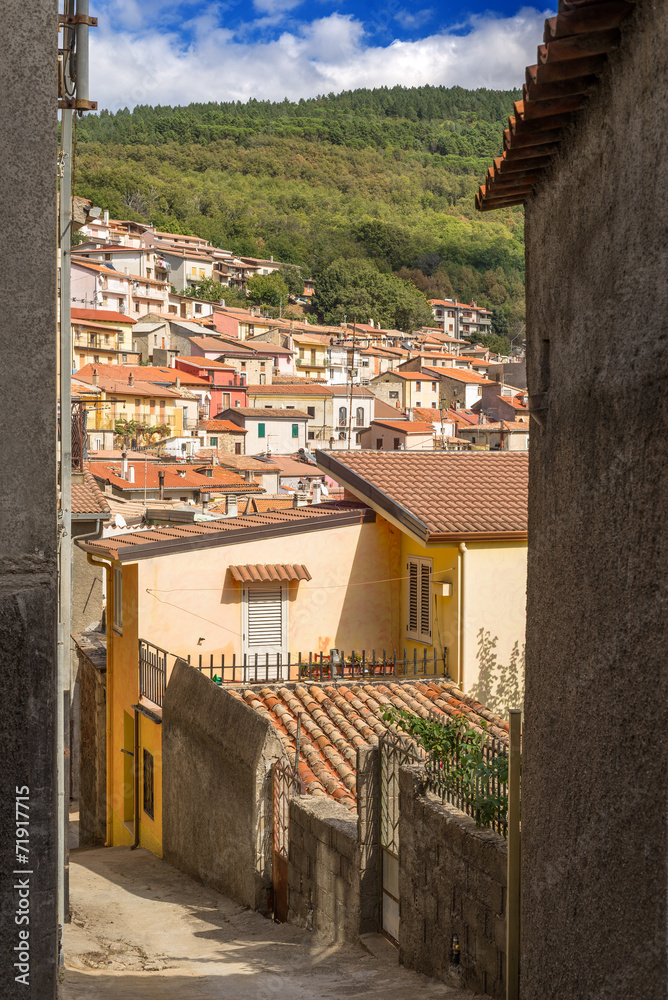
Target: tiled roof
(101, 316)
(461, 375)
(432, 416)
(293, 467)
(384, 411)
(143, 373)
(270, 412)
(196, 362)
(515, 401)
(294, 380)
(88, 498)
(405, 426)
(258, 505)
(176, 477)
(337, 719)
(246, 463)
(159, 541)
(115, 384)
(269, 572)
(573, 54)
(439, 496)
(306, 388)
(222, 425)
(496, 426)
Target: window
(96, 358)
(397, 444)
(198, 307)
(295, 430)
(118, 599)
(310, 410)
(290, 406)
(394, 395)
(213, 442)
(237, 447)
(260, 430)
(418, 385)
(433, 406)
(418, 602)
(148, 783)
(359, 416)
(136, 307)
(311, 435)
(379, 444)
(265, 619)
(343, 415)
(433, 387)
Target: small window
(433, 406)
(96, 358)
(124, 357)
(397, 443)
(379, 444)
(136, 307)
(311, 435)
(148, 784)
(310, 410)
(118, 599)
(198, 307)
(418, 603)
(433, 387)
(343, 415)
(237, 448)
(394, 395)
(359, 416)
(260, 430)
(213, 442)
(295, 430)
(418, 386)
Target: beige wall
(190, 595)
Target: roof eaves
(377, 499)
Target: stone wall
(92, 655)
(216, 787)
(452, 880)
(595, 796)
(333, 886)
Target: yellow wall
(121, 406)
(495, 583)
(122, 694)
(192, 595)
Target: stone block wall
(324, 868)
(452, 880)
(92, 655)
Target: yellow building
(125, 402)
(311, 359)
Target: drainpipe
(462, 613)
(110, 681)
(135, 774)
(161, 480)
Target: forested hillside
(388, 175)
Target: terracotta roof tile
(573, 54)
(102, 315)
(338, 719)
(439, 494)
(88, 498)
(176, 477)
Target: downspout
(462, 613)
(110, 678)
(135, 843)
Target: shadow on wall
(500, 687)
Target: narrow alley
(141, 930)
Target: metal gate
(285, 784)
(393, 752)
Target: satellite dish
(119, 521)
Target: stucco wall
(92, 748)
(217, 755)
(452, 880)
(192, 595)
(595, 753)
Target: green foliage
(292, 276)
(500, 324)
(356, 289)
(267, 290)
(134, 430)
(207, 289)
(466, 770)
(499, 686)
(497, 345)
(387, 175)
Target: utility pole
(75, 23)
(351, 368)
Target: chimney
(131, 473)
(231, 506)
(131, 379)
(315, 498)
(178, 382)
(96, 378)
(299, 498)
(161, 481)
(106, 216)
(124, 464)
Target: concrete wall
(333, 873)
(216, 787)
(452, 880)
(595, 855)
(28, 542)
(92, 749)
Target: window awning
(274, 573)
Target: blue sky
(178, 51)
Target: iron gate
(393, 752)
(285, 784)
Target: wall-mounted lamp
(442, 589)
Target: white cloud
(329, 54)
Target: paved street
(143, 931)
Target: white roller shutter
(265, 618)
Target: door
(265, 628)
(393, 751)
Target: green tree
(207, 289)
(292, 276)
(355, 289)
(500, 323)
(267, 290)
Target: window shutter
(413, 599)
(425, 601)
(265, 617)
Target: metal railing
(251, 668)
(474, 778)
(155, 667)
